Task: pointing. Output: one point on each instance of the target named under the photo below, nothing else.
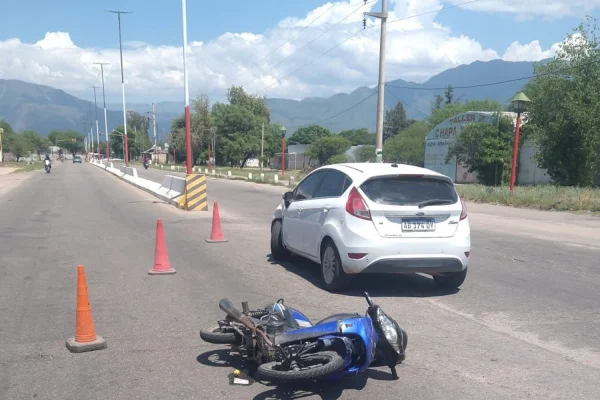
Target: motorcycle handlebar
(368, 298)
(227, 306)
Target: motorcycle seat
(313, 332)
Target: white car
(375, 218)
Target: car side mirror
(287, 198)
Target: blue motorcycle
(287, 347)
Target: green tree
(20, 146)
(326, 147)
(255, 104)
(72, 141)
(408, 147)
(365, 153)
(7, 136)
(564, 109)
(308, 134)
(38, 143)
(442, 114)
(238, 133)
(138, 124)
(485, 149)
(358, 137)
(338, 159)
(449, 95)
(395, 120)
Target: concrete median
(171, 190)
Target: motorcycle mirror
(368, 298)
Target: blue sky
(427, 46)
(158, 22)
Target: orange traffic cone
(85, 334)
(216, 235)
(162, 266)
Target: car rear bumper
(428, 265)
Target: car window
(334, 184)
(309, 185)
(406, 191)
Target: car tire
(332, 272)
(451, 280)
(278, 251)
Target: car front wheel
(331, 268)
(451, 280)
(278, 251)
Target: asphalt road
(525, 324)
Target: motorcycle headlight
(390, 330)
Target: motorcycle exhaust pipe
(227, 306)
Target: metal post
(125, 141)
(154, 129)
(515, 152)
(262, 145)
(283, 156)
(209, 166)
(104, 104)
(188, 134)
(97, 129)
(383, 15)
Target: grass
(243, 172)
(543, 197)
(22, 167)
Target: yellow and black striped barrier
(196, 198)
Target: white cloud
(529, 8)
(528, 52)
(417, 48)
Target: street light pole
(101, 64)
(97, 130)
(154, 129)
(188, 134)
(91, 134)
(283, 131)
(519, 102)
(383, 15)
(126, 144)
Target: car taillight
(463, 212)
(356, 205)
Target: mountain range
(43, 109)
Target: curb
(172, 202)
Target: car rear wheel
(451, 280)
(333, 274)
(278, 251)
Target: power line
(405, 104)
(286, 42)
(323, 33)
(356, 33)
(335, 115)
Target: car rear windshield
(406, 191)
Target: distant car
(375, 218)
(77, 159)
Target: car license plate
(418, 225)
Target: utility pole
(154, 129)
(102, 64)
(91, 135)
(97, 130)
(188, 133)
(262, 145)
(383, 15)
(125, 142)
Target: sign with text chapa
(440, 138)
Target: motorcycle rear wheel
(215, 335)
(332, 363)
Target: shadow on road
(378, 285)
(325, 390)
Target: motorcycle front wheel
(310, 367)
(216, 335)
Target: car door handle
(326, 207)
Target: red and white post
(188, 133)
